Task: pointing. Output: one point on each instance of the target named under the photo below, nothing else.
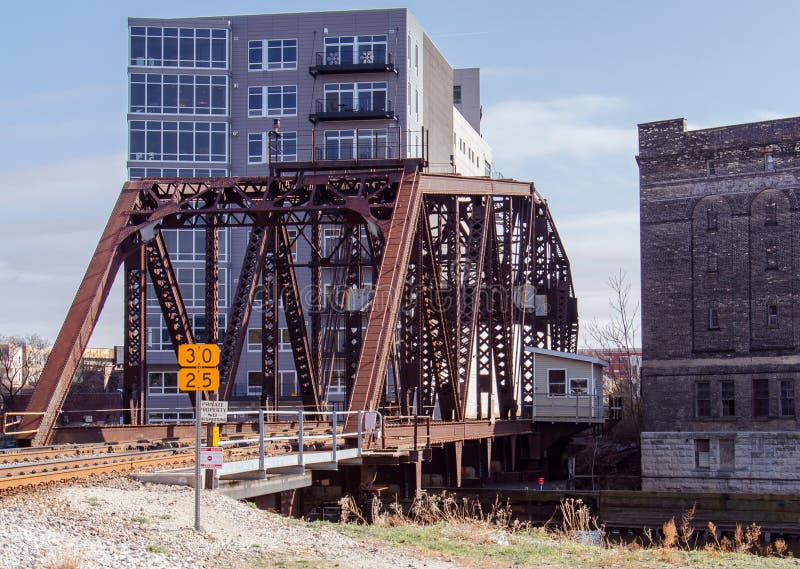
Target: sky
(564, 85)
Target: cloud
(599, 245)
(574, 126)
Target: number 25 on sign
(198, 379)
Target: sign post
(199, 373)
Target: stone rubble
(118, 523)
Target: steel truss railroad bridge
(440, 281)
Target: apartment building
(229, 95)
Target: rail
(568, 407)
(369, 423)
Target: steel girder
(135, 372)
(442, 281)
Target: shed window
(557, 381)
(578, 386)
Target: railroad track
(31, 467)
(17, 476)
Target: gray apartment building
(229, 95)
(720, 236)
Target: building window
(456, 94)
(282, 148)
(288, 383)
(254, 340)
(255, 55)
(771, 213)
(192, 282)
(787, 398)
(712, 220)
(769, 161)
(363, 97)
(255, 380)
(158, 338)
(178, 141)
(772, 316)
(256, 147)
(340, 144)
(284, 340)
(557, 382)
(727, 454)
(760, 397)
(712, 259)
(281, 54)
(338, 381)
(137, 173)
(416, 103)
(712, 168)
(578, 386)
(162, 382)
(416, 57)
(179, 94)
(702, 391)
(179, 47)
(274, 101)
(350, 50)
(728, 398)
(190, 245)
(771, 252)
(713, 318)
(702, 453)
(373, 143)
(199, 326)
(170, 417)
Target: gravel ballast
(120, 523)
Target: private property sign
(214, 411)
(211, 457)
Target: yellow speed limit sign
(198, 355)
(198, 379)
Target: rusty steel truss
(437, 282)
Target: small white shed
(566, 387)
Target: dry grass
(68, 562)
(456, 526)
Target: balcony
(332, 110)
(367, 62)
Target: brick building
(720, 256)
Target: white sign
(213, 411)
(211, 457)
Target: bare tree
(22, 359)
(619, 336)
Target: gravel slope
(119, 523)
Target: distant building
(720, 324)
(206, 96)
(622, 363)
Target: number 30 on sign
(198, 379)
(198, 355)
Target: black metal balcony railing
(332, 110)
(364, 61)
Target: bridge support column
(513, 442)
(487, 473)
(458, 448)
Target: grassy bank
(477, 544)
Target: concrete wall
(470, 106)
(438, 105)
(470, 151)
(767, 462)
